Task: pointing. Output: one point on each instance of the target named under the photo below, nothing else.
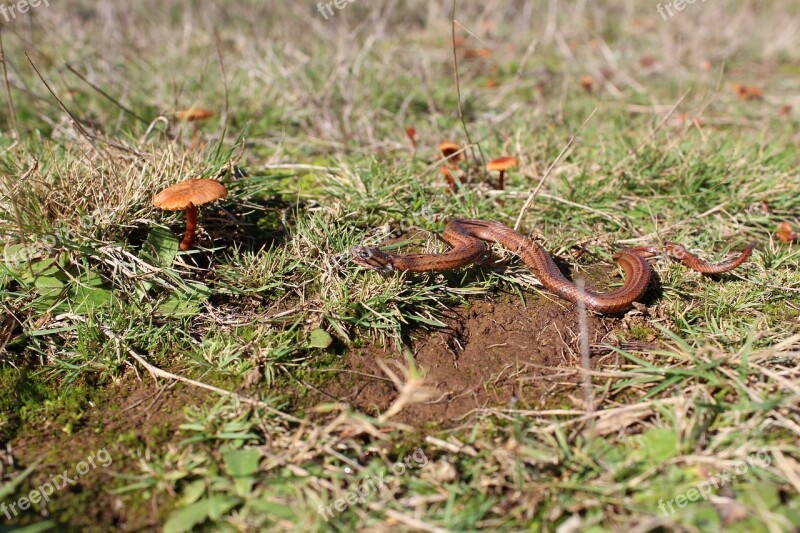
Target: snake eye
(361, 255)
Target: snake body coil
(468, 238)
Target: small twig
(524, 61)
(458, 88)
(471, 34)
(300, 166)
(413, 523)
(519, 194)
(11, 115)
(583, 323)
(411, 391)
(452, 447)
(530, 199)
(77, 122)
(107, 96)
(157, 372)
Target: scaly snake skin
(468, 238)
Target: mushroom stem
(191, 227)
(500, 181)
(195, 136)
(448, 176)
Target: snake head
(372, 258)
(678, 251)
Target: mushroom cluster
(452, 158)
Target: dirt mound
(492, 354)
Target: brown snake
(468, 238)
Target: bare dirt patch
(492, 354)
(126, 415)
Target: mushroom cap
(473, 53)
(194, 191)
(448, 148)
(192, 115)
(502, 163)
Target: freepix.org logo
(9, 12)
(326, 10)
(666, 10)
(56, 483)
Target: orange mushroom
(448, 177)
(502, 164)
(748, 92)
(587, 82)
(647, 61)
(477, 53)
(785, 232)
(194, 115)
(188, 195)
(452, 152)
(411, 133)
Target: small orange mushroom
(587, 82)
(647, 61)
(785, 232)
(188, 195)
(502, 164)
(194, 115)
(452, 152)
(448, 177)
(477, 53)
(72, 93)
(755, 93)
(748, 92)
(411, 133)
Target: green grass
(309, 137)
